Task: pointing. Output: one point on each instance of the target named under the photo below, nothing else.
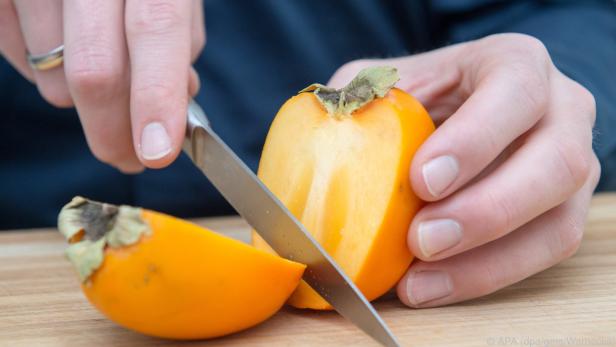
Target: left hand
(508, 174)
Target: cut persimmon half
(166, 277)
(340, 161)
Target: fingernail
(425, 286)
(439, 173)
(438, 235)
(155, 142)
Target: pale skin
(508, 174)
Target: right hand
(127, 69)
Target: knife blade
(277, 226)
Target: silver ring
(48, 60)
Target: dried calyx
(91, 226)
(369, 84)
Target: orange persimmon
(166, 277)
(339, 160)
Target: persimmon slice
(177, 279)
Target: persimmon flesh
(343, 171)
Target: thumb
(348, 71)
(426, 76)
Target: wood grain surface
(572, 304)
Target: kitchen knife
(277, 226)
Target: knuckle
(527, 46)
(574, 164)
(155, 91)
(490, 137)
(199, 38)
(99, 83)
(522, 60)
(569, 238)
(595, 171)
(520, 46)
(197, 44)
(493, 278)
(92, 73)
(585, 101)
(503, 216)
(154, 16)
(56, 96)
(534, 46)
(160, 95)
(532, 87)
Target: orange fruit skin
(186, 282)
(347, 180)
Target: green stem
(369, 84)
(100, 225)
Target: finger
(508, 95)
(546, 170)
(194, 83)
(544, 242)
(198, 30)
(197, 44)
(158, 35)
(430, 77)
(12, 45)
(96, 64)
(41, 25)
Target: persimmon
(340, 160)
(166, 277)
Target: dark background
(258, 54)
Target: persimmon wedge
(166, 277)
(339, 160)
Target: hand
(127, 69)
(508, 174)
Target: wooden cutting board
(572, 304)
